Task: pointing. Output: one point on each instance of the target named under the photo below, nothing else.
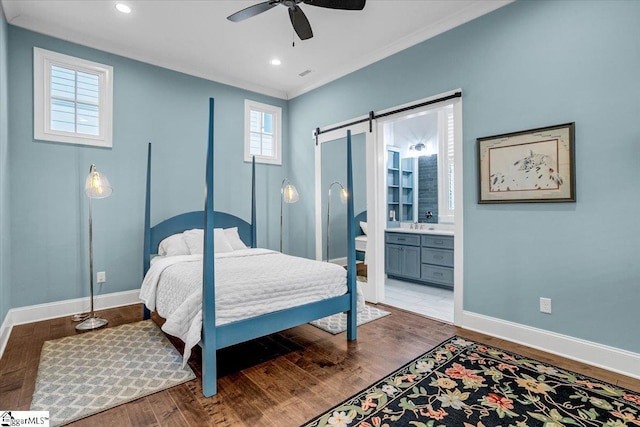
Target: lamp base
(80, 317)
(91, 323)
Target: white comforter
(249, 283)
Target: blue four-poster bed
(214, 337)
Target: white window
(446, 169)
(262, 132)
(72, 99)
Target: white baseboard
(613, 359)
(39, 312)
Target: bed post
(254, 243)
(146, 257)
(352, 314)
(209, 373)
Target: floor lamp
(343, 199)
(96, 187)
(288, 194)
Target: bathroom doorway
(423, 209)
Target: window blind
(261, 134)
(75, 101)
(450, 156)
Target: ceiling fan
(298, 18)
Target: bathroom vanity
(420, 255)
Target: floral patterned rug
(468, 384)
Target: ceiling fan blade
(338, 4)
(253, 10)
(300, 23)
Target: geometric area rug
(84, 374)
(337, 323)
(467, 384)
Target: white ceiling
(194, 36)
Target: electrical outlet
(545, 305)
(101, 277)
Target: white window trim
(250, 105)
(42, 62)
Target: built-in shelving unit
(393, 187)
(406, 189)
(400, 188)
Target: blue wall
(5, 253)
(48, 210)
(527, 65)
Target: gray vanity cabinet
(426, 258)
(402, 255)
(437, 259)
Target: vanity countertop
(420, 231)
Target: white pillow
(173, 245)
(363, 226)
(220, 242)
(234, 238)
(195, 241)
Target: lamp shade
(344, 195)
(290, 194)
(97, 185)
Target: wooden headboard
(195, 219)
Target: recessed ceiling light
(276, 61)
(123, 8)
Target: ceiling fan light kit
(296, 15)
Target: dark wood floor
(280, 380)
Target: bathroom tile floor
(429, 301)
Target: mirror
(333, 176)
(420, 167)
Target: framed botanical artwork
(536, 165)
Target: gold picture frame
(536, 165)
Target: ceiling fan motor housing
(298, 18)
(290, 3)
